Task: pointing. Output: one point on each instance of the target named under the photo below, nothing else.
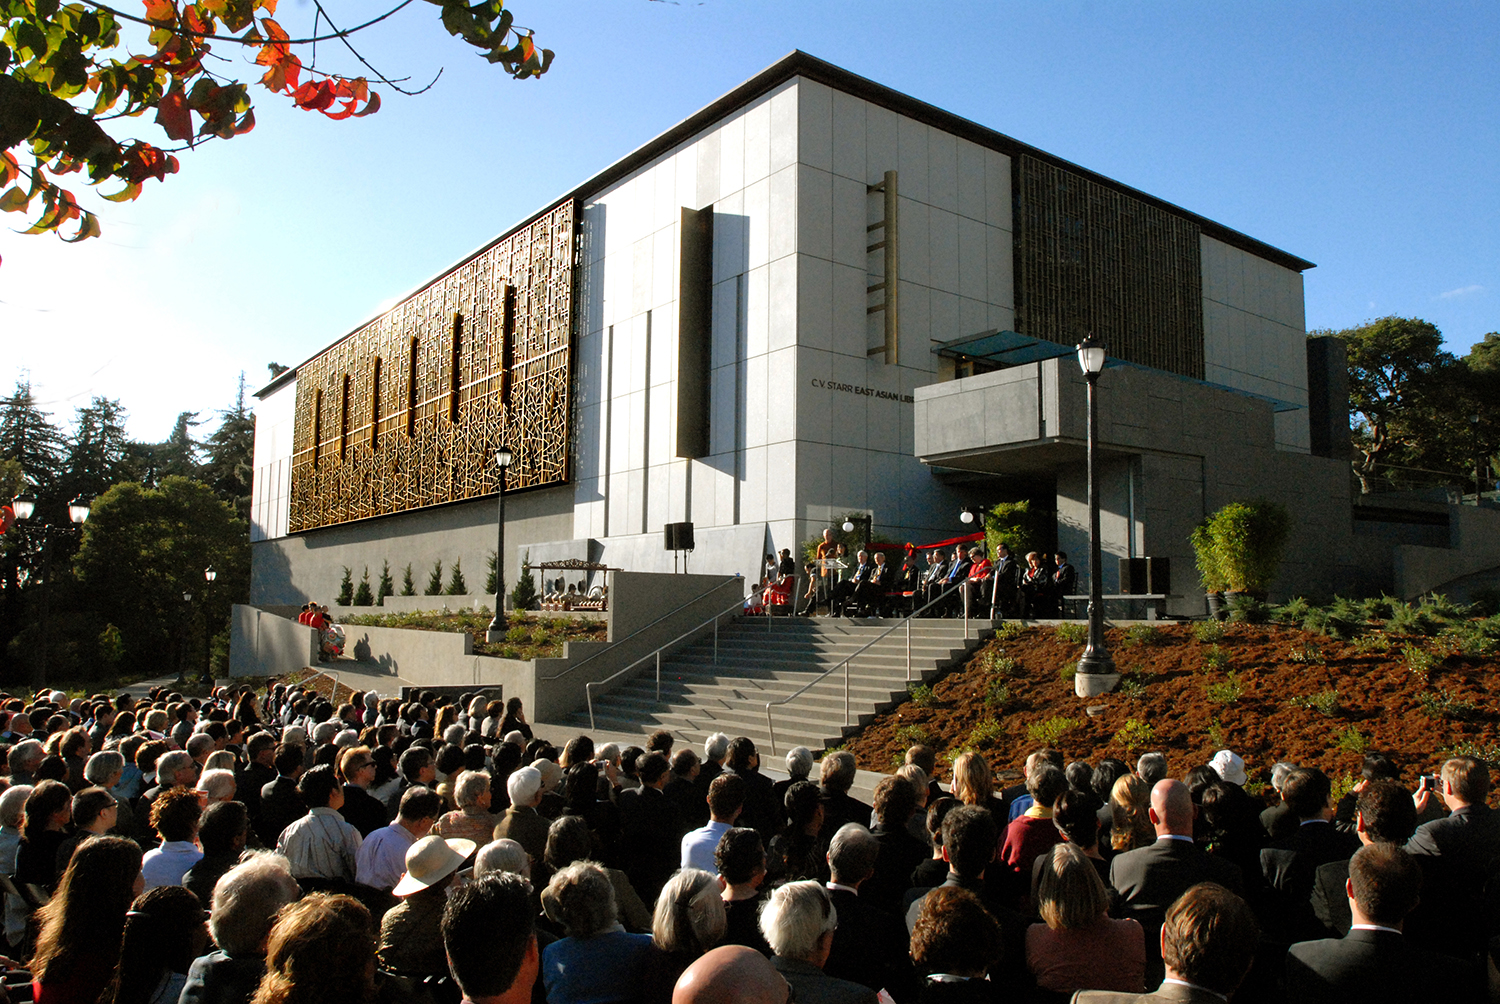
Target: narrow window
(455, 382)
(317, 426)
(375, 405)
(344, 421)
(508, 347)
(411, 390)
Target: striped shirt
(321, 845)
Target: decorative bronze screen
(407, 411)
(1091, 259)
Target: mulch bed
(1166, 703)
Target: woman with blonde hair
(689, 919)
(1130, 803)
(321, 951)
(974, 784)
(1079, 946)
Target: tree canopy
(68, 81)
(1418, 414)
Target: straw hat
(430, 860)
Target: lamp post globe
(78, 509)
(1096, 668)
(504, 456)
(23, 506)
(967, 516)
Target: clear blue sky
(1363, 136)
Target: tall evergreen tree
(99, 454)
(28, 437)
(229, 454)
(177, 456)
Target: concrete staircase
(759, 663)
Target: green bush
(1210, 631)
(1009, 630)
(456, 584)
(1210, 574)
(1136, 735)
(1142, 634)
(1131, 686)
(913, 735)
(920, 694)
(1324, 702)
(1073, 632)
(997, 696)
(1412, 619)
(1294, 611)
(1244, 541)
(1018, 526)
(387, 586)
(1067, 671)
(1249, 610)
(1226, 691)
(408, 586)
(524, 594)
(435, 580)
(1351, 740)
(1216, 735)
(1445, 705)
(986, 734)
(1049, 732)
(1215, 660)
(1419, 661)
(1307, 654)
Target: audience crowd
(280, 849)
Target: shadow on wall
(271, 576)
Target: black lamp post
(1478, 462)
(208, 671)
(496, 631)
(1096, 659)
(24, 506)
(865, 521)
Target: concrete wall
(309, 566)
(1475, 547)
(267, 644)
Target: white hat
(1229, 767)
(552, 774)
(515, 738)
(430, 860)
(522, 785)
(347, 737)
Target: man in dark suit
(761, 812)
(1291, 863)
(900, 852)
(259, 771)
(835, 779)
(852, 588)
(870, 945)
(1458, 854)
(937, 571)
(688, 802)
(957, 573)
(1064, 578)
(1384, 814)
(649, 828)
(1007, 584)
(1149, 879)
(1375, 963)
(280, 802)
(1208, 940)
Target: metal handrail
(669, 613)
(588, 688)
(905, 621)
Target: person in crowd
(1457, 852)
(650, 828)
(175, 817)
(975, 589)
(569, 840)
(1208, 940)
(502, 855)
(1151, 768)
(489, 934)
(165, 931)
(799, 765)
(974, 784)
(94, 813)
(1033, 832)
(688, 920)
(598, 961)
(382, 855)
(869, 946)
(761, 811)
(280, 802)
(12, 807)
(223, 832)
(1290, 864)
(363, 811)
(321, 950)
(44, 829)
(1278, 820)
(726, 798)
(1384, 814)
(1007, 585)
(1375, 963)
(836, 777)
(217, 784)
(1375, 767)
(740, 861)
(244, 905)
(1078, 946)
(80, 927)
(896, 801)
(416, 766)
(1149, 879)
(682, 791)
(521, 822)
(954, 942)
(798, 921)
(1130, 815)
(731, 974)
(798, 852)
(472, 820)
(922, 785)
(411, 942)
(715, 749)
(321, 847)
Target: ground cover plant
(1315, 684)
(528, 636)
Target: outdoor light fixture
(23, 506)
(967, 515)
(78, 509)
(209, 574)
(1096, 670)
(504, 455)
(187, 597)
(866, 521)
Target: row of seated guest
(847, 898)
(1001, 587)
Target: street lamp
(1095, 667)
(209, 575)
(24, 506)
(496, 631)
(1478, 462)
(866, 521)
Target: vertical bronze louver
(1092, 259)
(889, 285)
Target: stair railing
(588, 688)
(904, 622)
